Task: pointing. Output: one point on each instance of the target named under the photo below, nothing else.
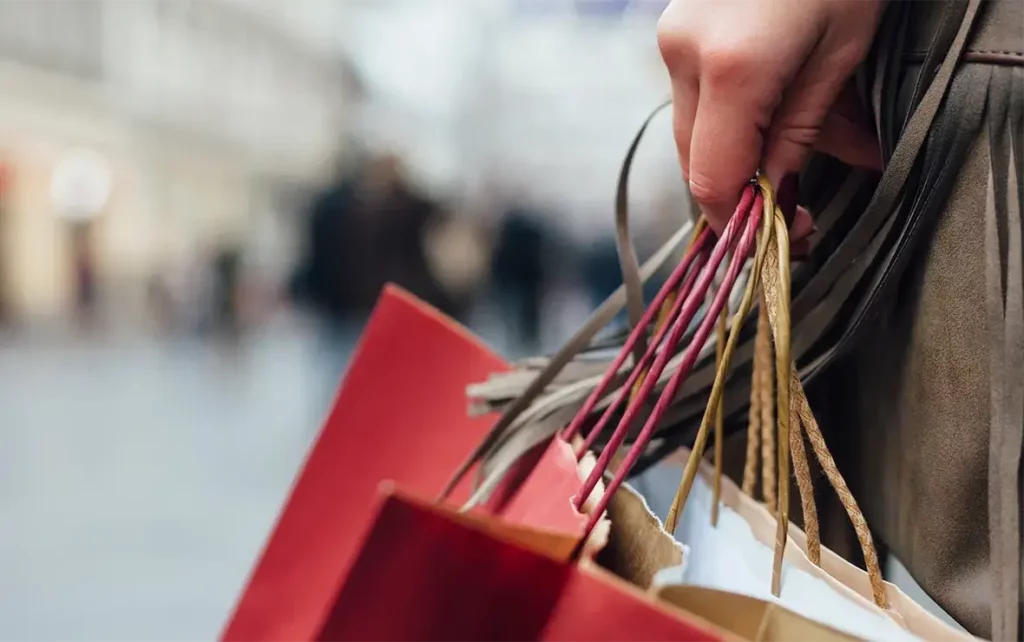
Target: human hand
(759, 84)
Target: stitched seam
(1008, 52)
(978, 57)
(994, 51)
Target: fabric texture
(930, 399)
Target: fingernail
(786, 196)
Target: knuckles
(728, 64)
(705, 190)
(800, 135)
(718, 61)
(676, 43)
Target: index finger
(725, 149)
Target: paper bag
(746, 523)
(426, 572)
(732, 558)
(749, 618)
(400, 416)
(640, 547)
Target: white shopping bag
(736, 556)
(729, 557)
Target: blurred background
(199, 202)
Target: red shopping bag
(426, 572)
(401, 416)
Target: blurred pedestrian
(366, 230)
(519, 273)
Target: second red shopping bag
(428, 573)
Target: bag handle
(794, 414)
(739, 237)
(761, 416)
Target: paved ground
(137, 481)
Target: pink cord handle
(652, 348)
(677, 274)
(693, 303)
(743, 250)
(673, 281)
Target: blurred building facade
(217, 118)
(208, 113)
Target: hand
(756, 83)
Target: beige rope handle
(766, 397)
(828, 465)
(777, 299)
(754, 414)
(761, 417)
(804, 482)
(801, 467)
(801, 407)
(794, 410)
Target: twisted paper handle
(794, 413)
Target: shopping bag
(749, 618)
(426, 572)
(736, 556)
(401, 416)
(752, 528)
(716, 565)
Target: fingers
(753, 84)
(724, 150)
(849, 134)
(850, 141)
(685, 94)
(797, 123)
(728, 73)
(806, 114)
(802, 225)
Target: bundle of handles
(758, 224)
(759, 218)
